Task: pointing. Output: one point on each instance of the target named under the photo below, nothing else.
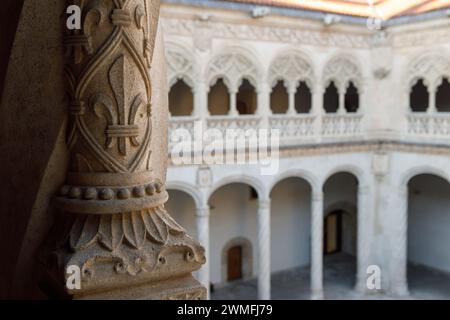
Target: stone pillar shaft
(364, 225)
(317, 246)
(264, 250)
(291, 93)
(202, 220)
(341, 108)
(399, 238)
(233, 109)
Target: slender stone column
(264, 249)
(364, 226)
(112, 225)
(264, 100)
(201, 100)
(317, 246)
(432, 101)
(341, 108)
(292, 89)
(233, 109)
(202, 219)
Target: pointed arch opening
(246, 100)
(351, 98)
(303, 98)
(419, 97)
(279, 98)
(443, 96)
(331, 98)
(181, 99)
(219, 99)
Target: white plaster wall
(290, 224)
(233, 215)
(429, 222)
(182, 208)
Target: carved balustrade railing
(293, 129)
(429, 125)
(336, 126)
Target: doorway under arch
(237, 260)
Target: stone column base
(184, 288)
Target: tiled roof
(384, 9)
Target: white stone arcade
(365, 130)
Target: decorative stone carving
(187, 27)
(204, 177)
(432, 67)
(112, 223)
(342, 70)
(291, 67)
(232, 66)
(180, 64)
(380, 164)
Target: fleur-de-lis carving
(78, 42)
(119, 115)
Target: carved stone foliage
(341, 70)
(432, 67)
(112, 223)
(292, 68)
(233, 67)
(180, 64)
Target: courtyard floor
(339, 280)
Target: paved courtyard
(339, 280)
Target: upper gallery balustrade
(306, 109)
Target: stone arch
(343, 69)
(251, 181)
(291, 66)
(421, 170)
(247, 257)
(233, 65)
(296, 173)
(351, 169)
(187, 188)
(180, 64)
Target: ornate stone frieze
(188, 27)
(111, 218)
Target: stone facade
(384, 143)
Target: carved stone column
(112, 222)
